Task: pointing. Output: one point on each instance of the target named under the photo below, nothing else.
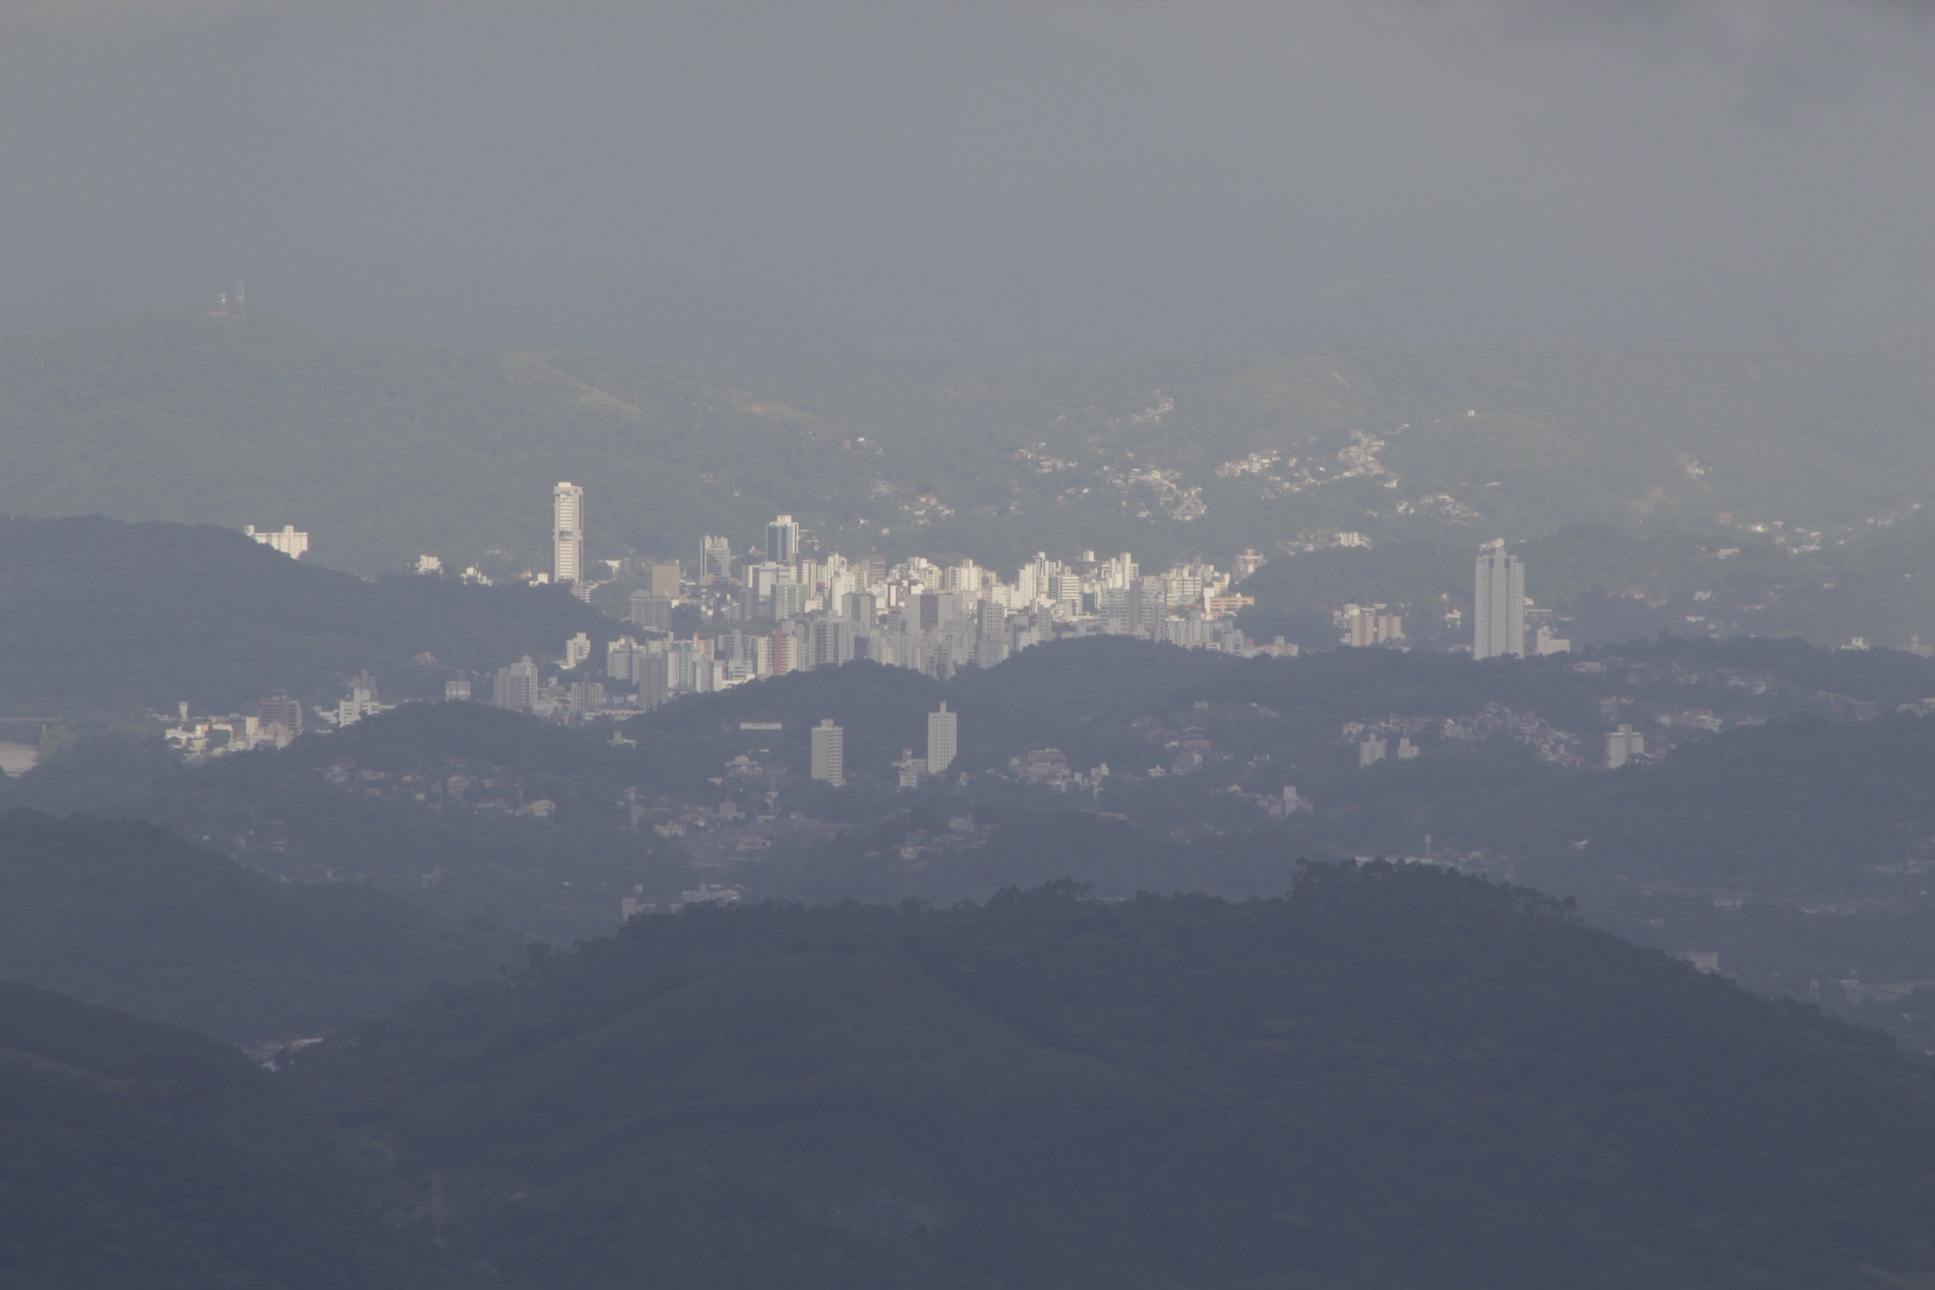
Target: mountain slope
(385, 449)
(104, 617)
(136, 1156)
(124, 914)
(1394, 1077)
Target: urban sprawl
(784, 610)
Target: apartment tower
(568, 532)
(783, 540)
(830, 752)
(1498, 609)
(941, 732)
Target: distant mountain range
(387, 449)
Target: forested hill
(384, 449)
(1394, 1077)
(138, 1157)
(125, 914)
(98, 616)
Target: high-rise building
(715, 559)
(662, 579)
(942, 729)
(1498, 618)
(568, 532)
(829, 643)
(1622, 745)
(516, 686)
(861, 609)
(830, 753)
(783, 540)
(651, 611)
(280, 710)
(789, 599)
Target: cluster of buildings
(287, 539)
(275, 723)
(789, 611)
(828, 754)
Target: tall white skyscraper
(830, 752)
(941, 733)
(1498, 609)
(568, 532)
(783, 540)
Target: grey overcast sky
(814, 180)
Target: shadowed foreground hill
(1395, 1077)
(128, 915)
(138, 1157)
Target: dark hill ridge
(138, 1157)
(97, 615)
(125, 914)
(1394, 1077)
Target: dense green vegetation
(102, 617)
(138, 1157)
(1394, 1077)
(125, 914)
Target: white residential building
(1498, 618)
(942, 732)
(830, 753)
(568, 536)
(1622, 745)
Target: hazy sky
(775, 183)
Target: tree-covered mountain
(386, 449)
(127, 915)
(101, 617)
(134, 1156)
(1393, 1077)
